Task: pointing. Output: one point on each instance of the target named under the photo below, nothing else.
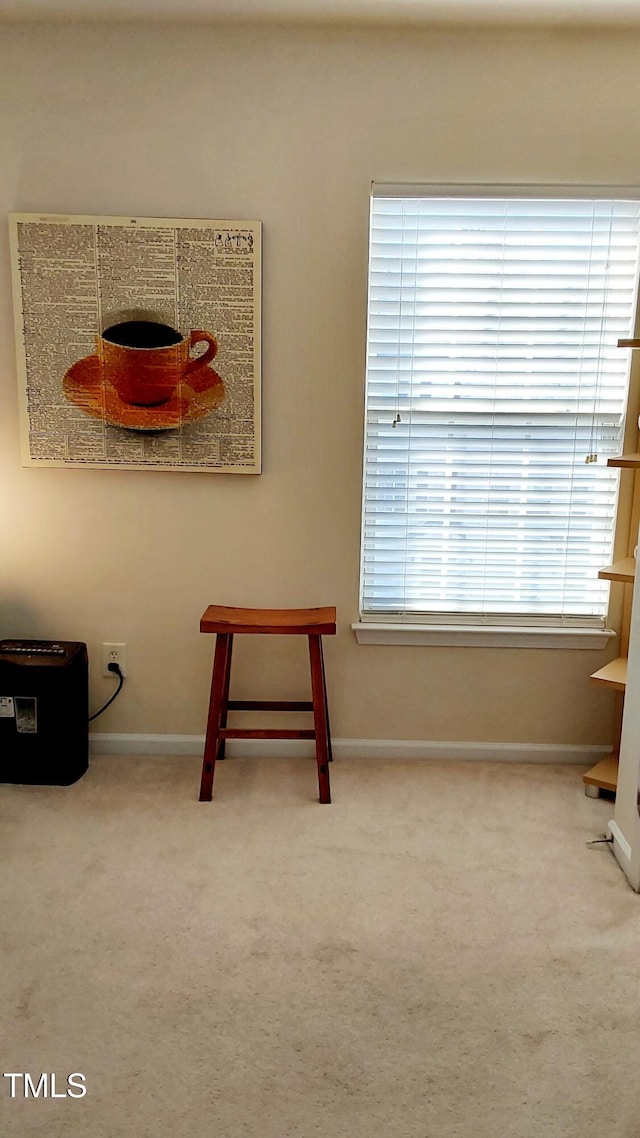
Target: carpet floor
(438, 954)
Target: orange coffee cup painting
(144, 377)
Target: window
(495, 393)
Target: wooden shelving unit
(624, 571)
(614, 674)
(604, 775)
(627, 461)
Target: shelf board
(604, 775)
(629, 461)
(629, 343)
(624, 570)
(613, 675)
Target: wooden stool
(226, 622)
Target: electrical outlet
(114, 654)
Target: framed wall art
(138, 342)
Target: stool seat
(277, 622)
(225, 622)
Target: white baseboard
(105, 744)
(102, 744)
(623, 854)
(621, 845)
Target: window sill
(472, 636)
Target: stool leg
(216, 711)
(326, 702)
(225, 697)
(320, 717)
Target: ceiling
(490, 13)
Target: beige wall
(289, 127)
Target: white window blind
(493, 379)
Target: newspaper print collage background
(73, 277)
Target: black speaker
(44, 711)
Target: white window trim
(504, 189)
(477, 636)
(375, 629)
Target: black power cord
(115, 668)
